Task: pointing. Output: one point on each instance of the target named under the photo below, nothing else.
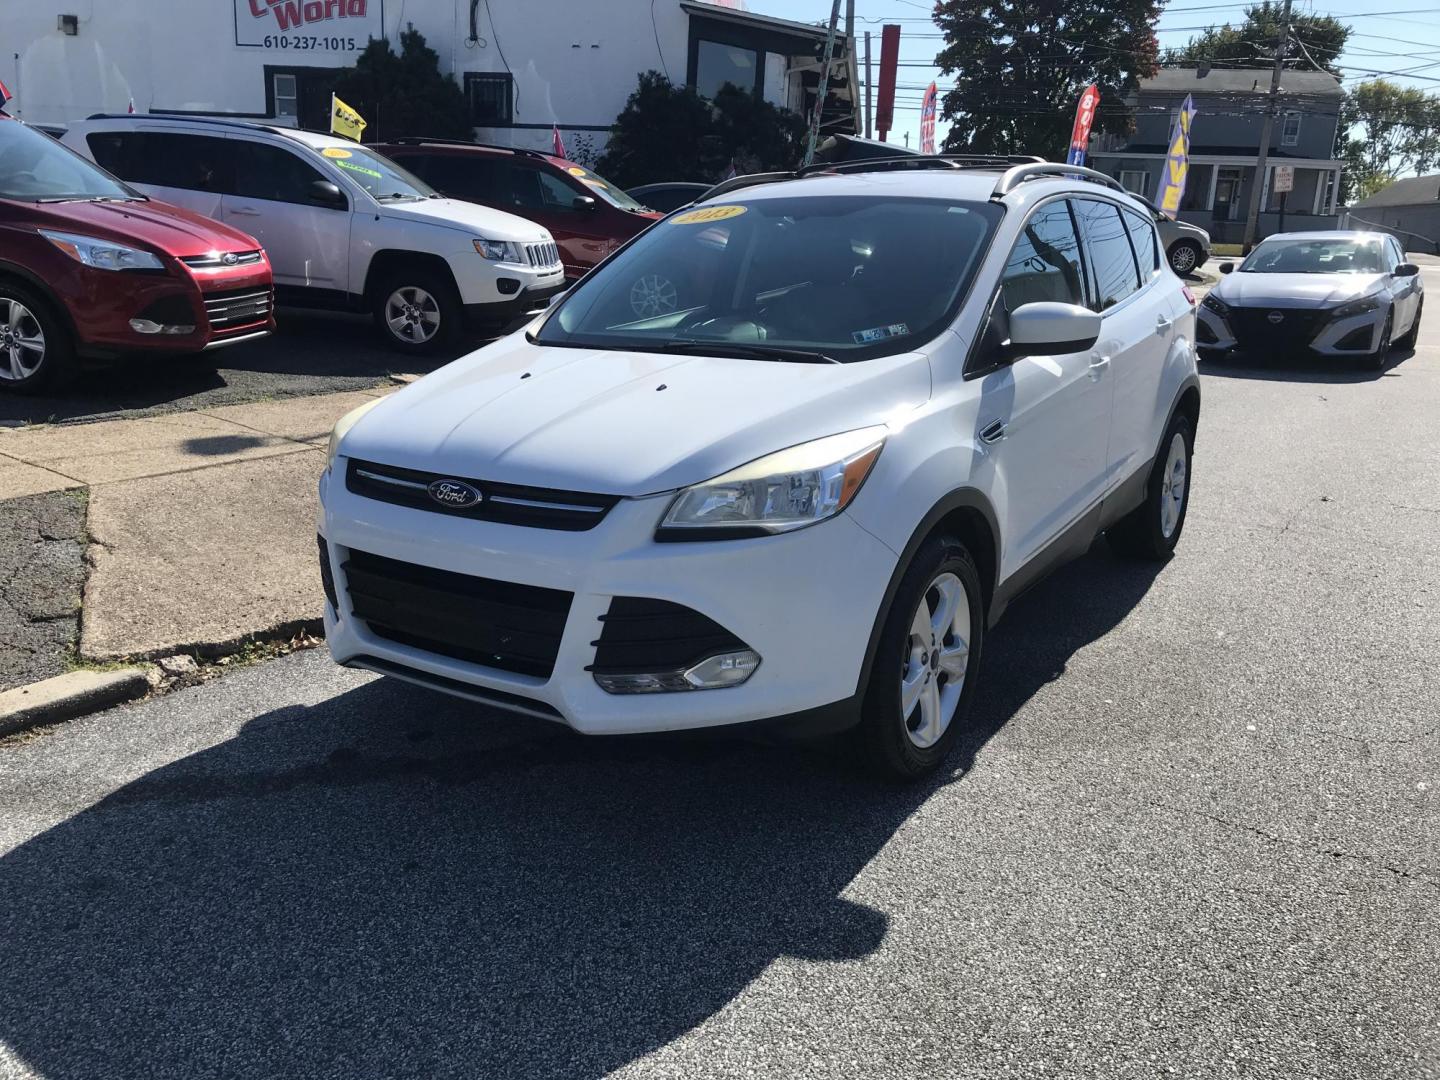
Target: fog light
(148, 326)
(712, 673)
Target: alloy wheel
(1172, 487)
(935, 660)
(653, 295)
(413, 315)
(22, 341)
(1182, 259)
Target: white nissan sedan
(1335, 294)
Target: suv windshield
(36, 168)
(842, 277)
(377, 174)
(1332, 256)
(603, 188)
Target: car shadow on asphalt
(1303, 369)
(380, 886)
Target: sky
(1396, 36)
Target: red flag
(559, 145)
(5, 94)
(927, 121)
(131, 109)
(1080, 133)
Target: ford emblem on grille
(229, 258)
(455, 494)
(1276, 317)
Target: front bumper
(806, 602)
(525, 304)
(213, 310)
(1313, 330)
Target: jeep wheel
(1153, 528)
(923, 674)
(418, 311)
(35, 350)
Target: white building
(524, 65)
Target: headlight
(499, 250)
(1215, 304)
(1356, 307)
(344, 424)
(777, 493)
(102, 254)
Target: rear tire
(1185, 257)
(923, 675)
(1412, 336)
(1151, 531)
(417, 310)
(36, 352)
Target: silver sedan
(1335, 294)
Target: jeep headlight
(344, 424)
(777, 493)
(499, 250)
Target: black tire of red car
(1412, 336)
(884, 734)
(417, 310)
(1151, 531)
(27, 316)
(1375, 361)
(1185, 257)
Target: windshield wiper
(701, 347)
(398, 195)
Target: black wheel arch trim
(385, 262)
(57, 306)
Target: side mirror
(1406, 270)
(584, 202)
(1047, 328)
(1226, 267)
(328, 194)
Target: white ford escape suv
(886, 401)
(344, 226)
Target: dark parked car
(670, 196)
(588, 216)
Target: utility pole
(1267, 129)
(869, 113)
(820, 91)
(851, 65)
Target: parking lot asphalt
(1192, 831)
(310, 353)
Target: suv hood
(468, 218)
(623, 423)
(1294, 290)
(158, 225)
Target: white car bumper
(1298, 329)
(806, 602)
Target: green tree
(404, 94)
(1020, 66)
(1251, 43)
(1389, 130)
(669, 132)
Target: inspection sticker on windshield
(335, 152)
(707, 213)
(360, 169)
(880, 333)
(575, 170)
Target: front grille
(495, 624)
(236, 308)
(215, 260)
(643, 636)
(542, 255)
(1253, 329)
(508, 504)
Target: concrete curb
(67, 696)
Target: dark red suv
(588, 216)
(91, 268)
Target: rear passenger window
(272, 173)
(1045, 262)
(1143, 243)
(462, 176)
(1112, 264)
(162, 159)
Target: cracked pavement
(42, 573)
(1192, 832)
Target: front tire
(1151, 531)
(923, 676)
(36, 353)
(417, 311)
(1375, 361)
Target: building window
(491, 97)
(1290, 132)
(717, 64)
(1136, 180)
(287, 96)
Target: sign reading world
(308, 25)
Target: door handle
(244, 211)
(1098, 364)
(993, 432)
(1163, 322)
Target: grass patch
(1227, 250)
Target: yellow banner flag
(344, 120)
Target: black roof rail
(1042, 170)
(421, 140)
(735, 183)
(218, 121)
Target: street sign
(1284, 179)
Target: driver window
(1045, 262)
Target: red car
(588, 216)
(90, 268)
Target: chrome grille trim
(215, 259)
(226, 310)
(542, 255)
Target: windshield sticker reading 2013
(360, 169)
(706, 214)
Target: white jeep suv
(888, 399)
(344, 227)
